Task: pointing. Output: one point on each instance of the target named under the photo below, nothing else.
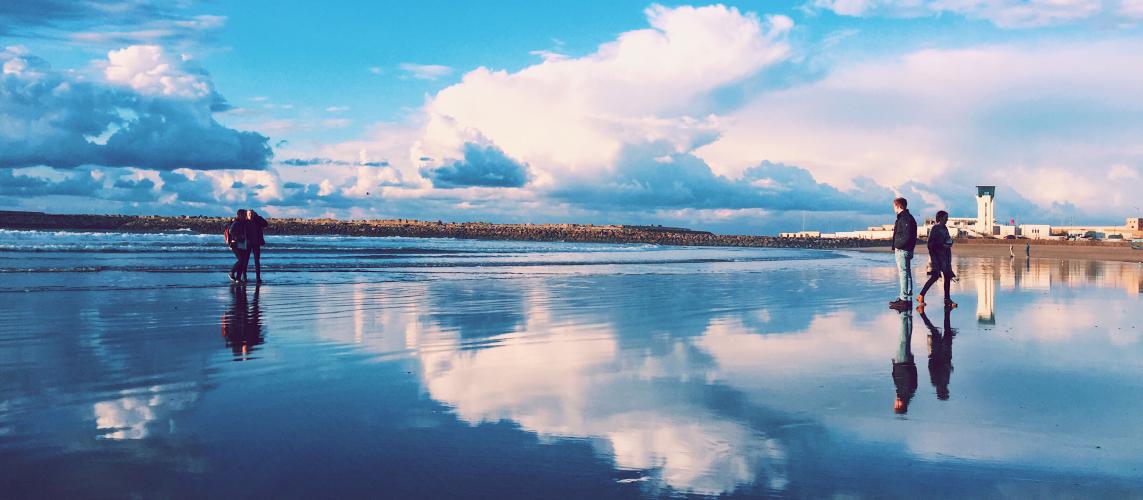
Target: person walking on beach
(904, 241)
(257, 238)
(237, 238)
(940, 260)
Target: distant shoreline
(579, 233)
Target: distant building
(1130, 230)
(1036, 231)
(985, 210)
(801, 234)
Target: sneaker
(950, 304)
(901, 304)
(232, 278)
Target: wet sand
(680, 379)
(1108, 253)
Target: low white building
(1036, 231)
(801, 234)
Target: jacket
(255, 230)
(239, 231)
(940, 249)
(905, 232)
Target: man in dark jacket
(256, 226)
(904, 241)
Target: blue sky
(737, 117)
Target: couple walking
(940, 256)
(245, 237)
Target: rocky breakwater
(586, 233)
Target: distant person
(904, 242)
(1028, 249)
(904, 369)
(940, 354)
(940, 260)
(237, 238)
(257, 238)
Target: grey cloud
(107, 22)
(484, 166)
(27, 186)
(317, 161)
(79, 183)
(52, 119)
(652, 176)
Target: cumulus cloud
(1002, 13)
(574, 115)
(151, 71)
(482, 166)
(1049, 123)
(153, 112)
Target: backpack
(239, 237)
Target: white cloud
(571, 115)
(1033, 117)
(1131, 9)
(426, 71)
(150, 70)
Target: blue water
(416, 368)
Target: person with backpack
(256, 225)
(940, 259)
(236, 234)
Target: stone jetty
(587, 233)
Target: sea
(130, 366)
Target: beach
(431, 368)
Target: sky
(745, 117)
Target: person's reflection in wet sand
(242, 323)
(904, 369)
(940, 354)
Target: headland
(583, 233)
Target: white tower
(985, 209)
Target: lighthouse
(985, 209)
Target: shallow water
(440, 368)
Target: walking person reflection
(904, 369)
(242, 323)
(940, 354)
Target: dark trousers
(933, 279)
(256, 251)
(242, 259)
